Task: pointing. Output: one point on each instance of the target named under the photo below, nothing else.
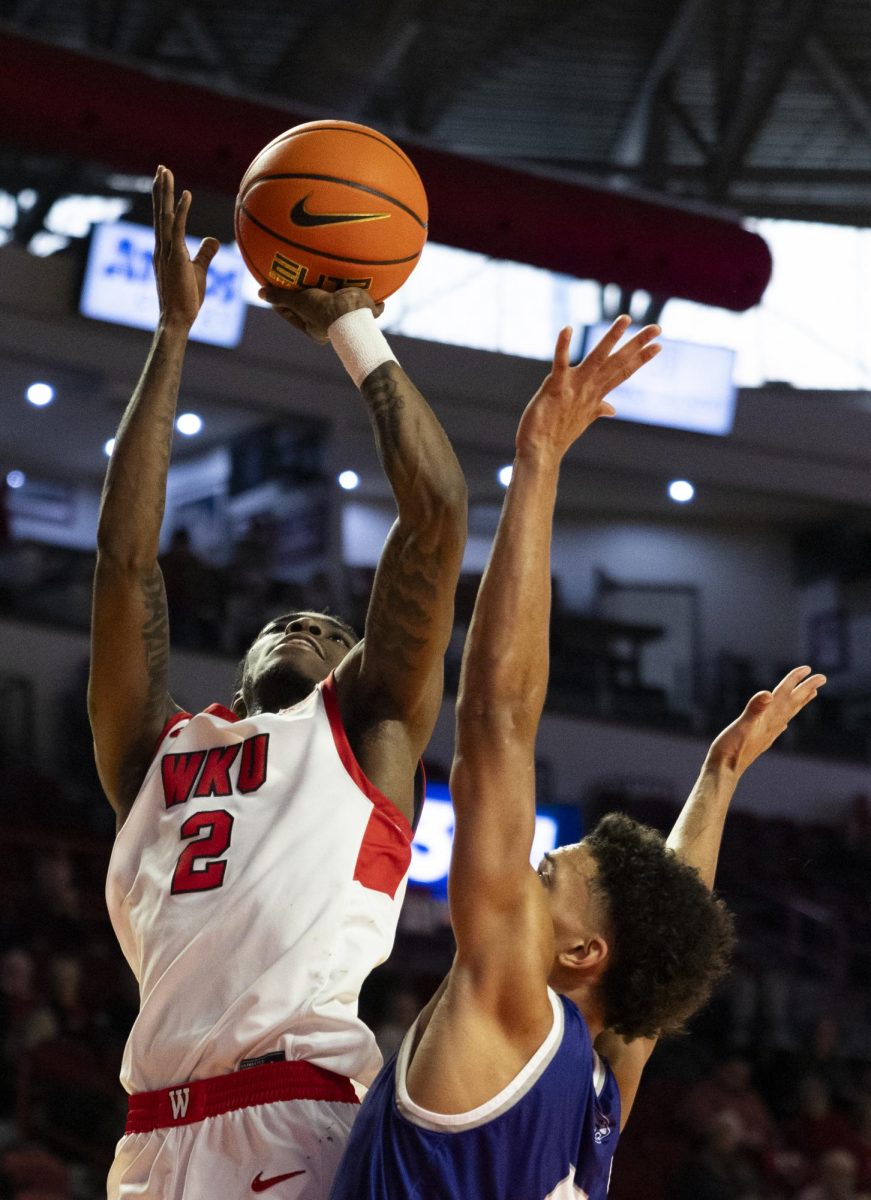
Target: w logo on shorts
(179, 1098)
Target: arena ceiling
(760, 107)
(743, 108)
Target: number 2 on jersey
(214, 829)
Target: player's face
(304, 647)
(568, 876)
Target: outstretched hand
(312, 310)
(571, 398)
(181, 280)
(764, 719)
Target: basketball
(331, 204)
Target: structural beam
(753, 109)
(840, 83)
(630, 147)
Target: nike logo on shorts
(259, 1184)
(300, 215)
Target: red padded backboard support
(59, 101)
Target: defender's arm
(494, 894)
(698, 831)
(128, 701)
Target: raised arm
(698, 831)
(493, 891)
(390, 687)
(128, 701)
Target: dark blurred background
(701, 163)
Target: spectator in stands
(401, 1012)
(718, 1168)
(187, 592)
(817, 1127)
(858, 828)
(72, 1017)
(817, 1053)
(250, 576)
(836, 1179)
(860, 1145)
(320, 595)
(50, 920)
(25, 1019)
(728, 1088)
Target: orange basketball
(331, 204)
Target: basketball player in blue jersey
(515, 1080)
(262, 849)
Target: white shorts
(287, 1149)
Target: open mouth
(298, 639)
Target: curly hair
(672, 938)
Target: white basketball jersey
(255, 884)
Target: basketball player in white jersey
(515, 1080)
(262, 849)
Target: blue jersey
(550, 1134)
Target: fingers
(208, 248)
(561, 350)
(606, 344)
(162, 193)
(276, 295)
(179, 223)
(798, 687)
(757, 703)
(630, 358)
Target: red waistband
(186, 1103)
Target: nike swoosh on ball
(300, 215)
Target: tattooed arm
(128, 701)
(390, 685)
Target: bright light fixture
(681, 491)
(74, 216)
(189, 423)
(43, 244)
(348, 480)
(504, 474)
(108, 447)
(16, 479)
(40, 394)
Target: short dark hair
(672, 938)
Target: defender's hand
(313, 310)
(763, 720)
(571, 398)
(181, 281)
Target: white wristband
(359, 343)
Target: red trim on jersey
(349, 762)
(186, 1103)
(218, 710)
(171, 722)
(385, 852)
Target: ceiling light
(16, 479)
(40, 394)
(189, 423)
(108, 447)
(44, 244)
(681, 491)
(348, 480)
(504, 474)
(74, 216)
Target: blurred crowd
(767, 1098)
